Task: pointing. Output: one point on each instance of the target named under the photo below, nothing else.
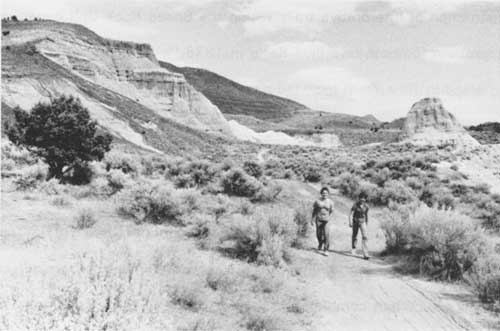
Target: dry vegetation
(203, 250)
(157, 242)
(443, 226)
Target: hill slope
(125, 68)
(29, 77)
(234, 98)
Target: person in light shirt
(322, 211)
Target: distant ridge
(237, 99)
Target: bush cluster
(154, 204)
(31, 177)
(445, 244)
(264, 237)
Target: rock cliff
(130, 69)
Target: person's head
(362, 197)
(324, 192)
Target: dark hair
(362, 195)
(324, 189)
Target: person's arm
(366, 215)
(350, 218)
(314, 212)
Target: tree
(62, 133)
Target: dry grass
(117, 275)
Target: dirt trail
(355, 294)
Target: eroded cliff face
(429, 123)
(130, 69)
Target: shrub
(201, 172)
(486, 276)
(264, 237)
(267, 193)
(219, 206)
(146, 203)
(348, 184)
(188, 295)
(31, 177)
(117, 180)
(245, 208)
(153, 164)
(301, 218)
(189, 199)
(313, 175)
(261, 321)
(192, 174)
(488, 210)
(201, 227)
(237, 182)
(184, 181)
(79, 174)
(437, 196)
(61, 132)
(8, 165)
(445, 243)
(395, 226)
(61, 201)
(85, 219)
(127, 163)
(397, 192)
(253, 169)
(220, 278)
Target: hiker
(358, 220)
(322, 210)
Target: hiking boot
(366, 257)
(353, 251)
(325, 253)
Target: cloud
(264, 17)
(401, 18)
(451, 55)
(409, 12)
(223, 24)
(330, 77)
(300, 51)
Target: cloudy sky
(353, 57)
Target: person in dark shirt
(358, 220)
(322, 210)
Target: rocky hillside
(236, 99)
(486, 133)
(120, 84)
(429, 123)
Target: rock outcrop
(429, 123)
(130, 69)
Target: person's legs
(319, 234)
(364, 234)
(355, 228)
(326, 233)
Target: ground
(344, 292)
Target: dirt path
(355, 294)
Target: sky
(355, 57)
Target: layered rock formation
(127, 68)
(429, 123)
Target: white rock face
(428, 123)
(27, 92)
(279, 138)
(127, 68)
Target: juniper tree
(61, 132)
